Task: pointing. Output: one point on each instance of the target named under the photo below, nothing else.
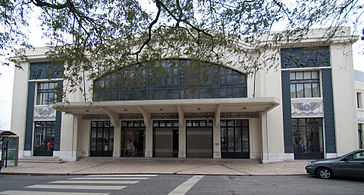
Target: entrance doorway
(199, 138)
(133, 138)
(235, 138)
(102, 138)
(44, 133)
(307, 138)
(165, 138)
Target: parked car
(349, 165)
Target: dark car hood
(329, 160)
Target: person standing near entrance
(129, 148)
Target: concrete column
(182, 140)
(217, 142)
(216, 133)
(68, 143)
(265, 147)
(181, 133)
(117, 141)
(149, 140)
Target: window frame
(302, 79)
(45, 95)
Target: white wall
(344, 98)
(19, 104)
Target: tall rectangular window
(305, 84)
(358, 100)
(46, 93)
(360, 135)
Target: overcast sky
(36, 39)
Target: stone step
(39, 159)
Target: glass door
(102, 138)
(235, 138)
(307, 138)
(44, 133)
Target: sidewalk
(99, 165)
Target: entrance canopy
(221, 105)
(170, 106)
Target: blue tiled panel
(29, 116)
(171, 79)
(286, 106)
(305, 57)
(45, 70)
(328, 111)
(57, 138)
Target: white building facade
(304, 108)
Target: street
(176, 184)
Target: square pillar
(265, 148)
(68, 142)
(149, 140)
(117, 140)
(182, 140)
(216, 142)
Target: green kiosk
(9, 146)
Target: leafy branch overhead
(98, 36)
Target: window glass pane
(292, 76)
(223, 123)
(299, 75)
(130, 123)
(175, 124)
(237, 122)
(209, 123)
(162, 123)
(300, 90)
(202, 123)
(308, 90)
(189, 123)
(196, 123)
(169, 123)
(223, 139)
(231, 140)
(315, 75)
(293, 90)
(238, 139)
(307, 75)
(124, 123)
(315, 90)
(136, 123)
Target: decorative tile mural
(307, 108)
(360, 116)
(44, 113)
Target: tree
(98, 36)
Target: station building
(302, 108)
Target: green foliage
(98, 36)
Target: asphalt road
(176, 184)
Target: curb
(211, 174)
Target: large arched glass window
(171, 79)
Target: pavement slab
(99, 165)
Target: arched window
(171, 79)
